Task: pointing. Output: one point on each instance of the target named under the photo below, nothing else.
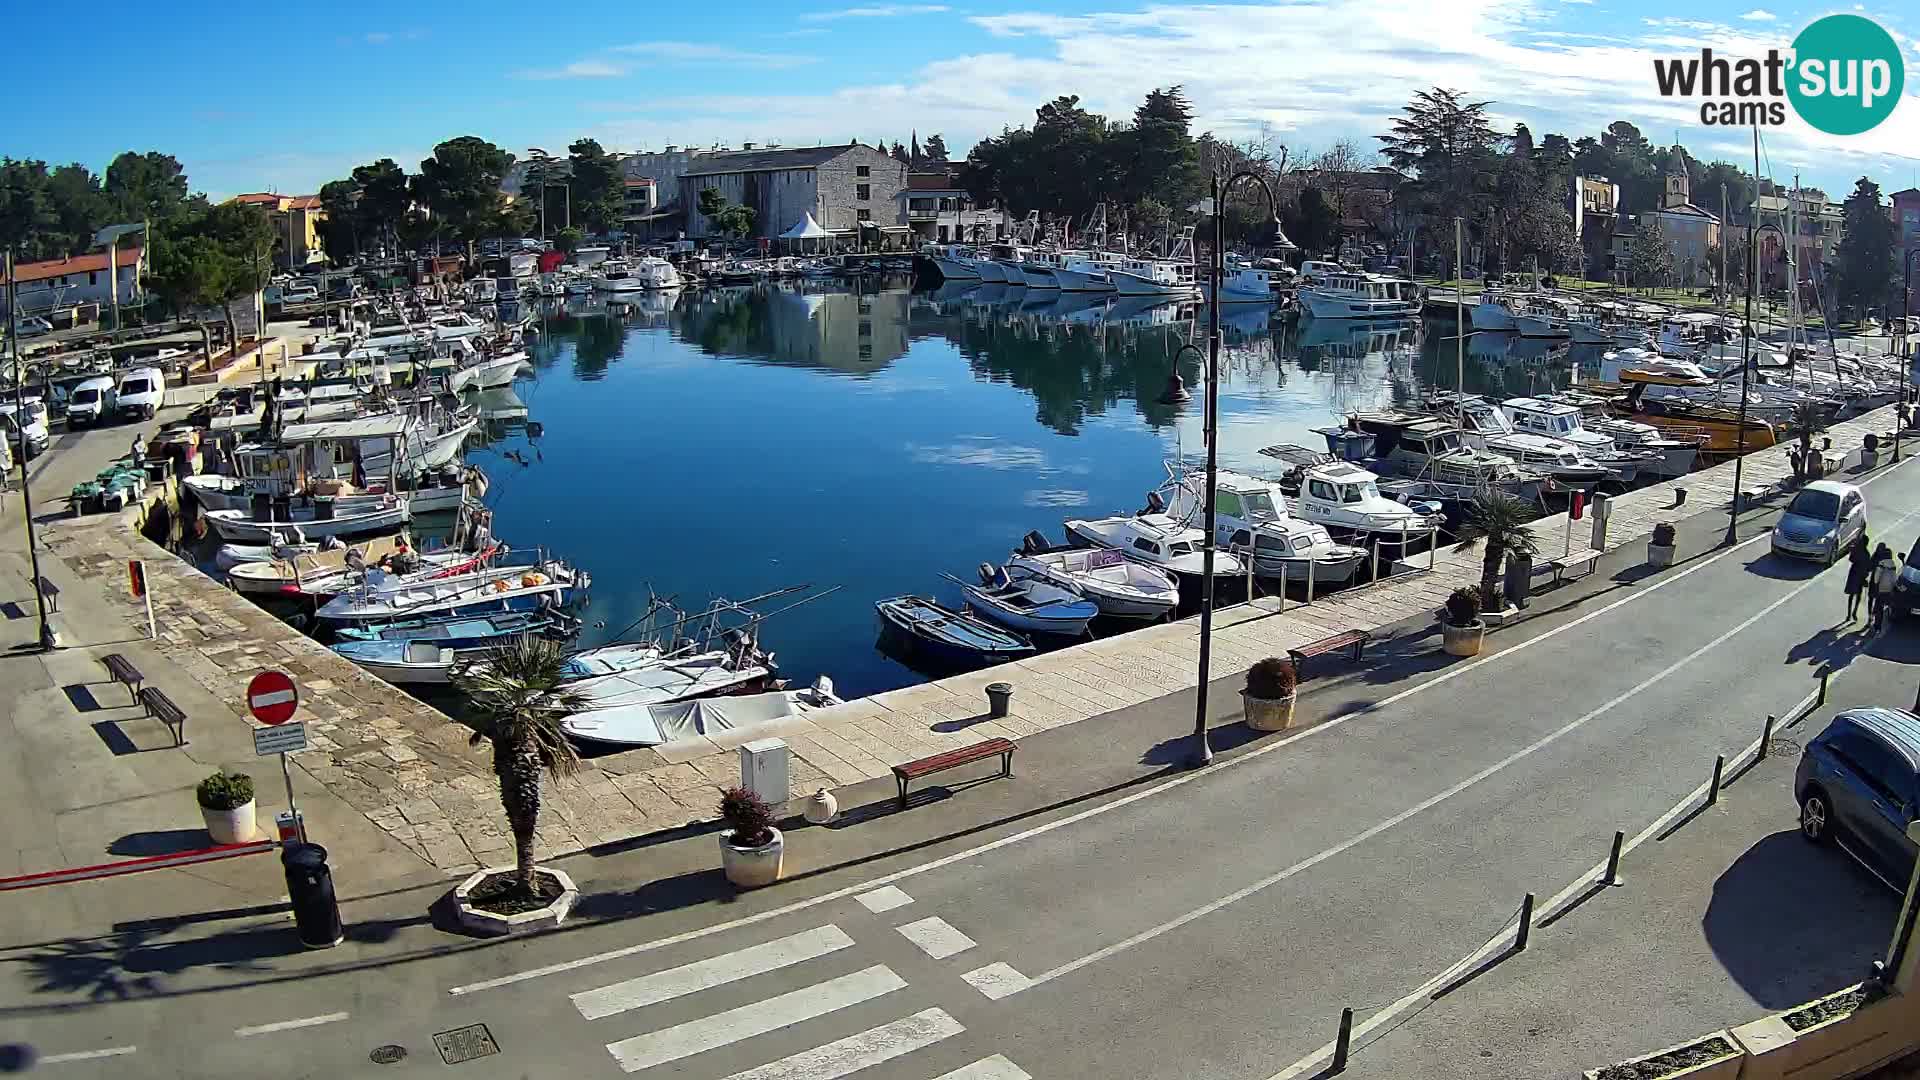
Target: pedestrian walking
(1886, 570)
(1859, 570)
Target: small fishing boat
(1122, 588)
(280, 573)
(407, 663)
(316, 520)
(948, 637)
(284, 547)
(610, 659)
(461, 631)
(665, 679)
(653, 725)
(1158, 541)
(384, 598)
(399, 566)
(1029, 604)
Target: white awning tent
(806, 229)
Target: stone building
(1694, 233)
(853, 191)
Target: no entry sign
(271, 697)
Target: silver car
(1821, 522)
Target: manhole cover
(465, 1044)
(387, 1055)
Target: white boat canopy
(806, 229)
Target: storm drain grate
(465, 1044)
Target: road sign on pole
(271, 697)
(283, 739)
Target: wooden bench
(1566, 564)
(1357, 639)
(161, 707)
(121, 670)
(52, 594)
(927, 766)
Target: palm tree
(518, 698)
(1499, 521)
(1808, 420)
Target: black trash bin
(310, 886)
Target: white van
(89, 402)
(140, 394)
(33, 419)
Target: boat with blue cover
(464, 631)
(948, 637)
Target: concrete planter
(1463, 640)
(1268, 714)
(1844, 1045)
(486, 922)
(1869, 459)
(752, 867)
(235, 826)
(1660, 556)
(1724, 1067)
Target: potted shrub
(226, 806)
(1269, 694)
(1660, 546)
(750, 847)
(1461, 628)
(1870, 451)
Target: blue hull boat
(462, 632)
(948, 637)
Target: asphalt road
(1204, 925)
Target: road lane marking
(705, 974)
(289, 1025)
(1420, 807)
(87, 1055)
(936, 937)
(1107, 807)
(856, 1052)
(987, 1068)
(885, 898)
(996, 981)
(757, 1018)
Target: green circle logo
(1847, 74)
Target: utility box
(763, 770)
(1602, 509)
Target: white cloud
(693, 52)
(878, 11)
(378, 37)
(1760, 15)
(579, 69)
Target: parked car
(34, 424)
(1906, 587)
(34, 326)
(1821, 522)
(90, 402)
(141, 393)
(1859, 785)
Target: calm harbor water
(729, 442)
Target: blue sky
(255, 97)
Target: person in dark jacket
(1886, 570)
(1859, 568)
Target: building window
(863, 192)
(864, 215)
(93, 277)
(863, 170)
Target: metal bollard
(1526, 924)
(1826, 673)
(1433, 545)
(1719, 767)
(1374, 574)
(1612, 876)
(1310, 565)
(1766, 738)
(1342, 1043)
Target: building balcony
(928, 215)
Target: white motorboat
(1250, 514)
(720, 671)
(286, 563)
(956, 262)
(1158, 541)
(1077, 271)
(316, 518)
(1675, 454)
(698, 718)
(1562, 423)
(1490, 427)
(638, 275)
(1029, 604)
(1435, 453)
(383, 597)
(487, 373)
(1495, 311)
(1170, 275)
(1351, 295)
(407, 663)
(1346, 499)
(1249, 285)
(1121, 587)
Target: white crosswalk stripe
(758, 1018)
(856, 1052)
(988, 1068)
(936, 937)
(705, 974)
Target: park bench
(1567, 564)
(1356, 639)
(952, 759)
(121, 670)
(161, 707)
(52, 594)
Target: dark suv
(1859, 782)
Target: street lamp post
(48, 640)
(1202, 750)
